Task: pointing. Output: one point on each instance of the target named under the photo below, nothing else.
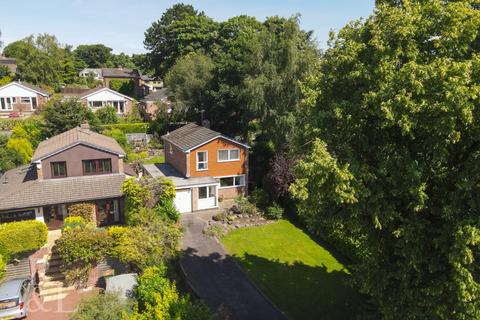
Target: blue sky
(120, 24)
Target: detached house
(21, 99)
(78, 165)
(100, 97)
(204, 165)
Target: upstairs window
(97, 166)
(228, 155)
(202, 160)
(59, 169)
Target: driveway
(217, 279)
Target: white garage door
(183, 200)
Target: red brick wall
(177, 159)
(231, 193)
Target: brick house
(150, 104)
(78, 165)
(100, 97)
(21, 99)
(106, 75)
(205, 166)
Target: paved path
(217, 279)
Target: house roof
(119, 73)
(74, 137)
(154, 96)
(28, 86)
(164, 170)
(73, 92)
(11, 63)
(93, 91)
(191, 136)
(19, 188)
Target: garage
(183, 200)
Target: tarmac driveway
(217, 279)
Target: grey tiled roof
(190, 136)
(164, 170)
(158, 95)
(73, 137)
(119, 73)
(19, 188)
(33, 87)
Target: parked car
(14, 297)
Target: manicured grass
(301, 277)
(153, 160)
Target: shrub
(107, 115)
(152, 280)
(138, 127)
(86, 210)
(243, 206)
(275, 211)
(136, 196)
(260, 198)
(167, 210)
(23, 147)
(3, 266)
(221, 216)
(118, 135)
(125, 87)
(107, 306)
(81, 249)
(216, 231)
(73, 222)
(22, 236)
(137, 156)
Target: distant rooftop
(157, 95)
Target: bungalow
(78, 165)
(21, 99)
(100, 97)
(205, 166)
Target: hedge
(139, 127)
(8, 124)
(22, 236)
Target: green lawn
(153, 160)
(301, 277)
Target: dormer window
(202, 160)
(59, 169)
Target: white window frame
(205, 162)
(7, 106)
(234, 185)
(229, 152)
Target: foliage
(167, 210)
(85, 210)
(125, 87)
(216, 231)
(280, 175)
(62, 115)
(107, 115)
(4, 71)
(289, 267)
(161, 189)
(22, 236)
(5, 80)
(118, 135)
(260, 198)
(244, 206)
(180, 30)
(140, 127)
(147, 243)
(159, 299)
(394, 169)
(136, 196)
(3, 266)
(42, 60)
(22, 147)
(274, 212)
(107, 306)
(74, 222)
(9, 158)
(155, 159)
(137, 156)
(93, 55)
(30, 130)
(81, 249)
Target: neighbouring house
(150, 84)
(21, 99)
(76, 166)
(205, 166)
(151, 103)
(10, 63)
(100, 97)
(108, 74)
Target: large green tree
(179, 31)
(93, 55)
(390, 129)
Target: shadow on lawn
(301, 291)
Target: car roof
(11, 288)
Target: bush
(81, 250)
(139, 127)
(137, 156)
(107, 115)
(118, 135)
(216, 231)
(275, 212)
(108, 306)
(3, 266)
(167, 210)
(243, 206)
(86, 210)
(260, 198)
(221, 216)
(23, 147)
(136, 196)
(22, 236)
(73, 222)
(125, 87)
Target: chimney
(85, 125)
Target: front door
(54, 216)
(107, 212)
(207, 197)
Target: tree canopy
(390, 129)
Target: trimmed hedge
(9, 124)
(138, 127)
(22, 236)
